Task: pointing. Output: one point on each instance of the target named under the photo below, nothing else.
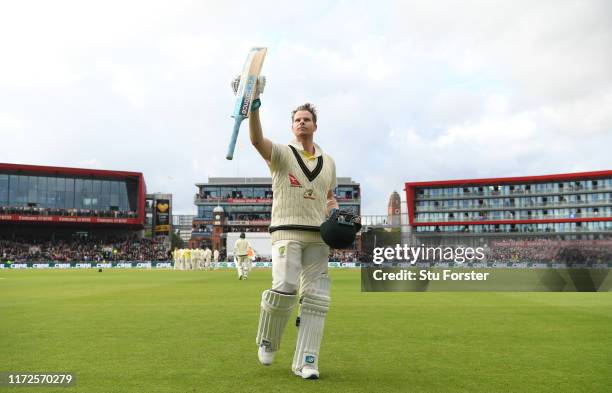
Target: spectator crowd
(44, 211)
(18, 250)
(550, 251)
(82, 250)
(344, 256)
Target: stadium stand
(81, 250)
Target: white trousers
(295, 265)
(243, 264)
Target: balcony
(247, 222)
(199, 200)
(530, 206)
(515, 218)
(517, 193)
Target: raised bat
(246, 93)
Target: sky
(405, 90)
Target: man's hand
(332, 203)
(261, 85)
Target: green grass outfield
(182, 331)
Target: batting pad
(275, 312)
(315, 304)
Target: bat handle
(232, 145)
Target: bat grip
(232, 145)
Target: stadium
(89, 286)
(559, 218)
(74, 215)
(467, 141)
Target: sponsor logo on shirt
(309, 194)
(294, 181)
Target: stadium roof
(51, 170)
(513, 180)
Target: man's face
(303, 124)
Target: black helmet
(242, 235)
(340, 229)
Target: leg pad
(276, 309)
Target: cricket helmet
(242, 235)
(340, 229)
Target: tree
(176, 241)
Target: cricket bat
(246, 92)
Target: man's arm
(332, 203)
(263, 145)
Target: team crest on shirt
(294, 181)
(309, 194)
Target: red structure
(31, 194)
(511, 203)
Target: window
(104, 202)
(114, 195)
(22, 191)
(60, 193)
(259, 192)
(4, 190)
(205, 212)
(70, 184)
(78, 193)
(51, 199)
(32, 190)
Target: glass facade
(542, 201)
(64, 192)
(563, 227)
(560, 187)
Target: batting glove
(236, 84)
(261, 85)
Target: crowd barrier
(332, 265)
(139, 265)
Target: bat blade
(246, 93)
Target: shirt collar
(298, 145)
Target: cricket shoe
(307, 372)
(265, 355)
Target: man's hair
(306, 107)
